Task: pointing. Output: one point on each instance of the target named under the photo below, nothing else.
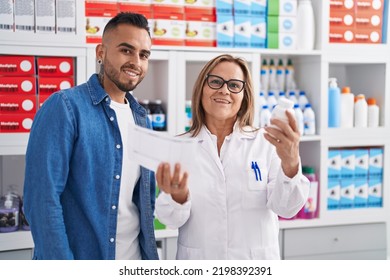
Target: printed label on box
(361, 163)
(200, 30)
(225, 31)
(375, 168)
(55, 66)
(11, 65)
(333, 197)
(17, 85)
(24, 16)
(224, 7)
(347, 193)
(48, 85)
(16, 123)
(205, 7)
(17, 104)
(342, 19)
(334, 164)
(259, 32)
(341, 35)
(7, 16)
(342, 6)
(361, 193)
(368, 36)
(375, 192)
(45, 16)
(242, 32)
(66, 16)
(168, 29)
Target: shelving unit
(172, 73)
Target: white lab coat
(230, 215)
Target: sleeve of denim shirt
(47, 165)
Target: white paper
(149, 148)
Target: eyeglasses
(233, 85)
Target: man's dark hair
(134, 19)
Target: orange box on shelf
(96, 18)
(205, 7)
(342, 6)
(342, 19)
(17, 85)
(18, 104)
(17, 65)
(168, 29)
(55, 66)
(364, 19)
(104, 4)
(200, 30)
(168, 6)
(368, 36)
(143, 7)
(48, 85)
(10, 123)
(341, 35)
(370, 5)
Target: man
(84, 197)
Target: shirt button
(112, 239)
(106, 99)
(118, 146)
(113, 207)
(117, 176)
(112, 119)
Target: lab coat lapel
(209, 147)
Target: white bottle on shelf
(264, 76)
(271, 100)
(346, 108)
(373, 113)
(299, 118)
(292, 97)
(302, 100)
(360, 111)
(309, 119)
(265, 116)
(305, 25)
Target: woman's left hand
(286, 140)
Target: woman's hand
(175, 185)
(286, 140)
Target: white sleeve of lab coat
(171, 213)
(288, 195)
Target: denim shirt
(72, 178)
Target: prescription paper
(149, 148)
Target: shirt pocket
(254, 192)
(188, 253)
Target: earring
(99, 61)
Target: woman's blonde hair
(245, 114)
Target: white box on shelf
(66, 16)
(7, 16)
(24, 16)
(45, 16)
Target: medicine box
(361, 163)
(282, 7)
(17, 85)
(242, 31)
(201, 30)
(48, 85)
(259, 32)
(281, 24)
(334, 164)
(16, 123)
(66, 16)
(224, 7)
(361, 193)
(55, 66)
(13, 65)
(17, 104)
(375, 192)
(225, 31)
(375, 168)
(347, 163)
(259, 8)
(333, 196)
(347, 193)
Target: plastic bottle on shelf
(290, 80)
(280, 75)
(305, 25)
(279, 111)
(146, 104)
(334, 97)
(309, 119)
(264, 75)
(158, 116)
(282, 94)
(265, 116)
(292, 97)
(373, 113)
(299, 118)
(272, 85)
(9, 213)
(310, 209)
(302, 99)
(188, 111)
(271, 100)
(360, 111)
(346, 108)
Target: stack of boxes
(20, 82)
(355, 178)
(356, 21)
(50, 16)
(54, 74)
(282, 24)
(17, 93)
